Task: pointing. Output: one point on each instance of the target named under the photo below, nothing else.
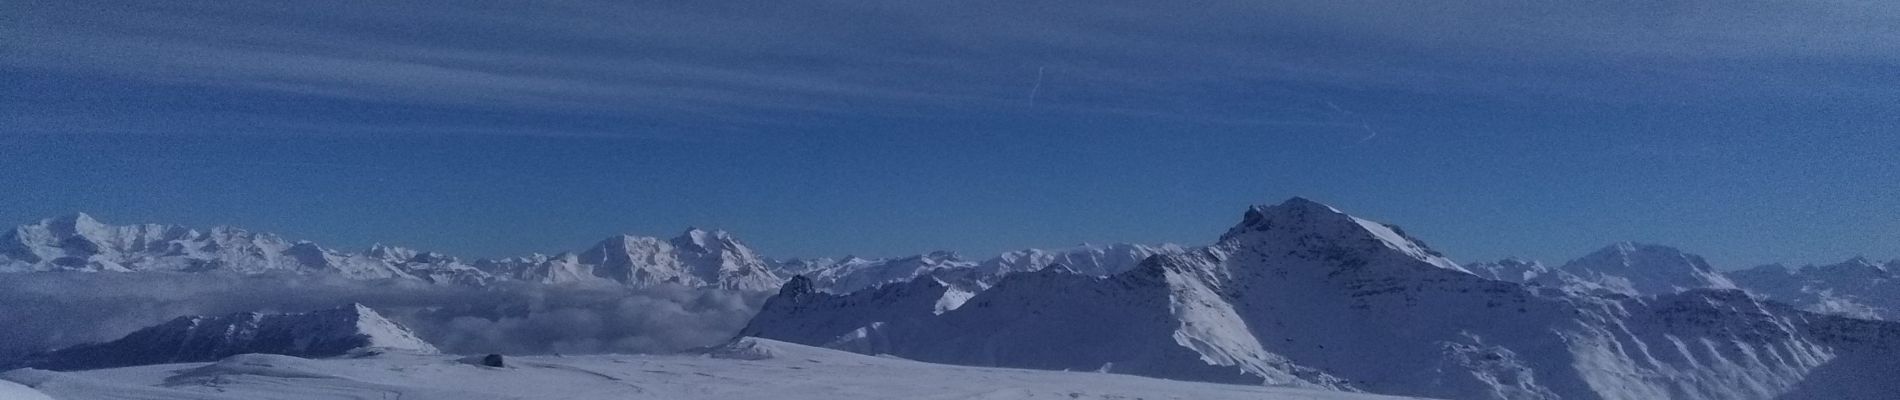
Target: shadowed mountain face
(1302, 294)
(321, 333)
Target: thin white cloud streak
(770, 63)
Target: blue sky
(1747, 131)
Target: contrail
(1363, 124)
(1033, 90)
(1370, 133)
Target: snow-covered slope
(1857, 287)
(15, 391)
(745, 369)
(320, 333)
(1301, 294)
(1515, 270)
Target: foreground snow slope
(746, 369)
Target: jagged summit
(1306, 223)
(798, 285)
(1510, 269)
(321, 333)
(694, 237)
(78, 223)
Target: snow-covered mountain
(1626, 268)
(1302, 294)
(1086, 259)
(852, 274)
(696, 258)
(321, 333)
(1857, 287)
(1640, 269)
(80, 243)
(1511, 270)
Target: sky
(1746, 131)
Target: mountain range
(1302, 294)
(698, 258)
(1858, 287)
(1298, 294)
(694, 258)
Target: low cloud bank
(50, 310)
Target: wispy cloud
(759, 63)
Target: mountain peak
(1861, 261)
(1857, 266)
(1774, 268)
(75, 224)
(1302, 202)
(943, 255)
(695, 237)
(1303, 222)
(693, 232)
(1644, 269)
(1633, 254)
(798, 285)
(76, 218)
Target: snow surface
(748, 368)
(15, 391)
